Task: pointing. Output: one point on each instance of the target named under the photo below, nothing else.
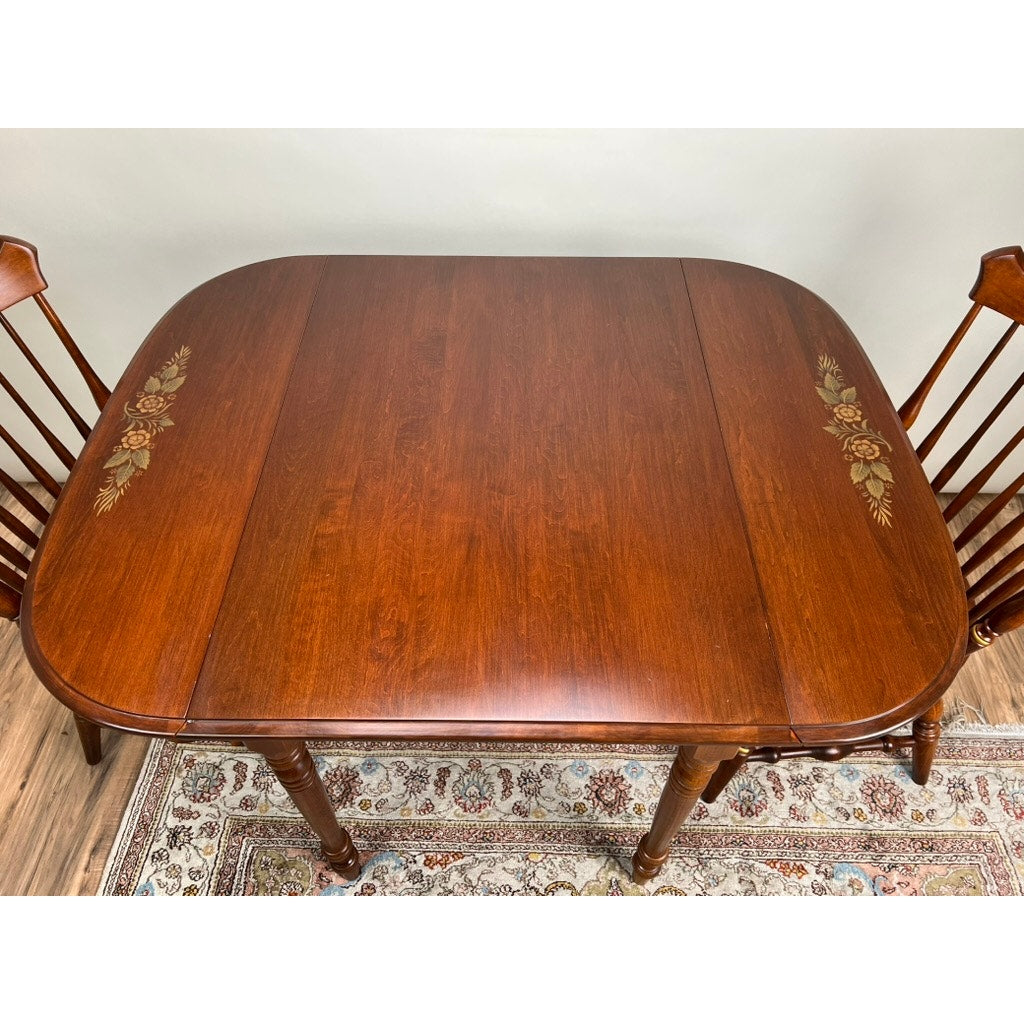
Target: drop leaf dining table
(523, 499)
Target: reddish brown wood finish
(157, 564)
(761, 337)
(927, 730)
(91, 739)
(1000, 284)
(995, 598)
(556, 499)
(492, 525)
(293, 766)
(21, 279)
(691, 771)
(890, 744)
(20, 276)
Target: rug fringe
(960, 713)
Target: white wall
(887, 225)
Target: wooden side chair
(21, 279)
(995, 592)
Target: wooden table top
(640, 500)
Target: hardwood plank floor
(59, 817)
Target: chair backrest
(21, 279)
(996, 596)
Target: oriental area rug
(558, 819)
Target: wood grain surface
(142, 583)
(506, 516)
(848, 598)
(518, 498)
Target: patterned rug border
(613, 840)
(1010, 730)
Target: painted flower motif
(370, 766)
(580, 769)
(150, 405)
(143, 421)
(135, 439)
(865, 449)
(203, 782)
(848, 772)
(883, 797)
(473, 791)
(608, 791)
(633, 770)
(747, 797)
(862, 446)
(1013, 802)
(343, 785)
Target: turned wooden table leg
(691, 772)
(92, 742)
(927, 731)
(292, 764)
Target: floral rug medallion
(560, 819)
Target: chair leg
(89, 734)
(927, 731)
(724, 775)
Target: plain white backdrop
(873, 156)
(886, 224)
(871, 152)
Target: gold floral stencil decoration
(146, 417)
(863, 447)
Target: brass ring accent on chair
(979, 638)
